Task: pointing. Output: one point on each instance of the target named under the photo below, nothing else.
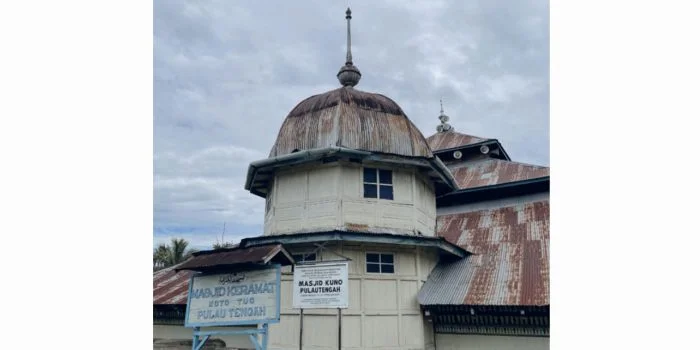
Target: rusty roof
(350, 118)
(263, 254)
(493, 172)
(510, 264)
(170, 286)
(451, 139)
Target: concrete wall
(383, 312)
(331, 197)
(490, 342)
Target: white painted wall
(331, 197)
(383, 311)
(490, 342)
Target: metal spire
(348, 57)
(443, 126)
(349, 75)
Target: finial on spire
(443, 126)
(349, 75)
(348, 56)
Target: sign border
(322, 263)
(275, 319)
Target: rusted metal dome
(350, 118)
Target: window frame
(378, 184)
(315, 254)
(303, 254)
(380, 263)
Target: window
(300, 258)
(380, 263)
(378, 183)
(304, 257)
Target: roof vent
(484, 149)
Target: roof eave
(474, 145)
(508, 189)
(436, 242)
(312, 155)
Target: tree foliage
(166, 255)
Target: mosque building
(447, 238)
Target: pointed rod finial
(349, 75)
(348, 57)
(444, 126)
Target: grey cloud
(226, 73)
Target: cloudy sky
(226, 73)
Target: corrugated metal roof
(494, 171)
(510, 265)
(350, 118)
(451, 139)
(170, 287)
(235, 256)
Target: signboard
(247, 297)
(321, 286)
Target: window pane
(370, 191)
(310, 257)
(372, 258)
(385, 176)
(372, 268)
(387, 268)
(385, 192)
(388, 258)
(370, 175)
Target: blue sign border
(275, 319)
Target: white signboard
(321, 286)
(239, 298)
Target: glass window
(385, 176)
(380, 263)
(378, 183)
(370, 191)
(386, 192)
(370, 175)
(304, 257)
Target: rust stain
(510, 265)
(495, 171)
(451, 139)
(350, 118)
(356, 227)
(170, 287)
(255, 254)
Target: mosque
(447, 238)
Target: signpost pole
(264, 336)
(340, 329)
(301, 328)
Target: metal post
(301, 328)
(340, 329)
(264, 337)
(195, 339)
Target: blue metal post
(195, 339)
(264, 335)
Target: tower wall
(330, 197)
